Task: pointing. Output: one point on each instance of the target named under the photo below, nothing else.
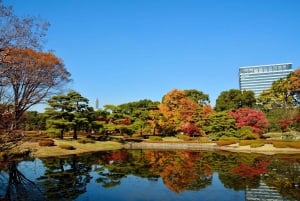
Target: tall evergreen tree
(67, 112)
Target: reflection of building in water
(264, 193)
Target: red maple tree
(189, 128)
(285, 124)
(249, 117)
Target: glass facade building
(259, 78)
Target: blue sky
(126, 50)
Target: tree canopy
(28, 76)
(21, 32)
(66, 112)
(234, 99)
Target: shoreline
(267, 149)
(53, 151)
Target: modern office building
(259, 78)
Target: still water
(147, 175)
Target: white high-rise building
(259, 78)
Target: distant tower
(97, 103)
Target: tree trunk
(141, 131)
(75, 133)
(154, 130)
(61, 134)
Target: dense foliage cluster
(29, 76)
(178, 113)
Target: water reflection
(16, 186)
(162, 175)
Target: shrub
(47, 142)
(155, 138)
(226, 142)
(227, 138)
(66, 146)
(250, 137)
(182, 137)
(85, 140)
(136, 135)
(246, 133)
(52, 132)
(295, 144)
(286, 144)
(204, 140)
(257, 144)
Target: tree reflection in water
(65, 178)
(181, 171)
(18, 186)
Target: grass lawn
(60, 147)
(69, 146)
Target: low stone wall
(171, 146)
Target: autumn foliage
(176, 170)
(250, 117)
(251, 170)
(294, 81)
(29, 77)
(181, 112)
(177, 107)
(285, 124)
(189, 128)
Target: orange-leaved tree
(178, 108)
(294, 85)
(28, 77)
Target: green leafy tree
(267, 100)
(198, 96)
(59, 115)
(129, 118)
(245, 133)
(79, 106)
(155, 121)
(280, 89)
(33, 120)
(117, 120)
(228, 100)
(139, 114)
(98, 119)
(67, 112)
(220, 124)
(248, 99)
(234, 99)
(277, 96)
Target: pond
(148, 175)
